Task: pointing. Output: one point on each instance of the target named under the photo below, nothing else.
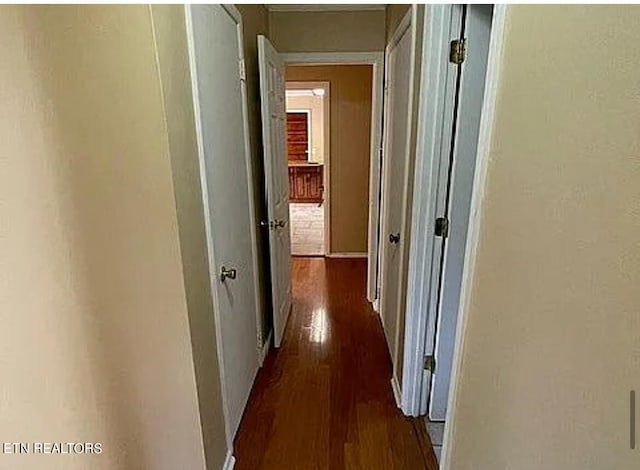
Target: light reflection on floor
(319, 326)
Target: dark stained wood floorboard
(324, 400)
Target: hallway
(324, 400)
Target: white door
(395, 160)
(454, 197)
(272, 92)
(221, 118)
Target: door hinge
(430, 363)
(457, 51)
(442, 227)
(243, 69)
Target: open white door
(272, 91)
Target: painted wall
(553, 338)
(173, 62)
(95, 344)
(255, 21)
(313, 104)
(350, 133)
(394, 14)
(348, 31)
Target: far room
(307, 128)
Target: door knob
(227, 273)
(274, 224)
(395, 239)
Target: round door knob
(394, 239)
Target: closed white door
(221, 118)
(396, 123)
(272, 91)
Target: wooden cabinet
(297, 136)
(306, 183)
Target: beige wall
(350, 133)
(95, 344)
(255, 21)
(350, 31)
(553, 336)
(173, 61)
(394, 14)
(313, 104)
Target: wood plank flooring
(324, 400)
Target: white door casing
(273, 104)
(375, 59)
(220, 104)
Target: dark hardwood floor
(324, 400)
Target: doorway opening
(329, 113)
(348, 184)
(307, 126)
(454, 119)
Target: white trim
(328, 58)
(375, 186)
(376, 59)
(479, 185)
(347, 254)
(229, 461)
(395, 387)
(288, 8)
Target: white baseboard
(229, 462)
(265, 348)
(347, 255)
(397, 394)
(376, 306)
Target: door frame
(487, 121)
(213, 274)
(375, 59)
(326, 127)
(433, 138)
(436, 44)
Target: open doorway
(307, 127)
(329, 185)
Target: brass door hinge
(430, 363)
(457, 51)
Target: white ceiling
(324, 7)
